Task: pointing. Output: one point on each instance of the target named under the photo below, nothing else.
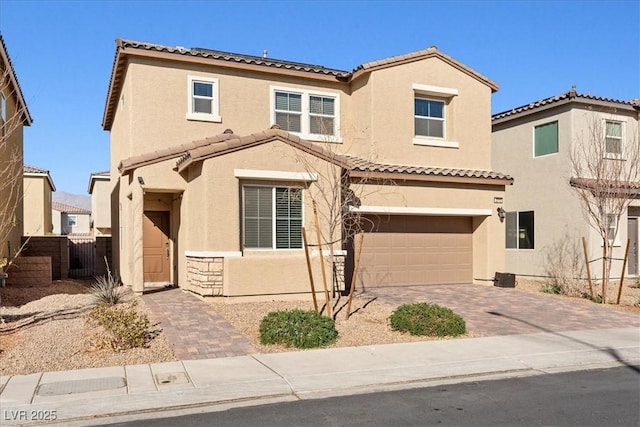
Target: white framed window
(272, 217)
(429, 117)
(312, 115)
(431, 105)
(520, 230)
(203, 101)
(613, 139)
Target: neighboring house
(544, 217)
(215, 156)
(38, 187)
(70, 220)
(14, 115)
(100, 190)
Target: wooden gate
(82, 254)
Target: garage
(404, 250)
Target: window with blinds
(289, 111)
(545, 139)
(203, 99)
(321, 115)
(272, 217)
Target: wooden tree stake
(624, 267)
(324, 274)
(306, 254)
(586, 261)
(604, 271)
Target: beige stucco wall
(12, 193)
(101, 206)
(542, 185)
(383, 117)
(37, 200)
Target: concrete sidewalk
(107, 395)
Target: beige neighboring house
(14, 115)
(532, 143)
(70, 220)
(216, 157)
(100, 190)
(38, 188)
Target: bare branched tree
(11, 161)
(605, 162)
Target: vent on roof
(265, 52)
(228, 131)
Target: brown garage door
(412, 250)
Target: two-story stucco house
(100, 191)
(216, 158)
(38, 188)
(14, 115)
(70, 220)
(544, 215)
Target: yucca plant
(107, 289)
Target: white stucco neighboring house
(68, 220)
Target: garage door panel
(418, 250)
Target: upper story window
(520, 230)
(613, 139)
(313, 115)
(272, 217)
(72, 220)
(431, 106)
(203, 99)
(545, 139)
(429, 117)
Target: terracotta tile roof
(409, 172)
(205, 151)
(57, 206)
(169, 153)
(611, 188)
(4, 55)
(26, 170)
(569, 96)
(126, 47)
(33, 169)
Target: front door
(156, 247)
(632, 232)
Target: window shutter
(258, 229)
(511, 222)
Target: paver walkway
(490, 310)
(193, 328)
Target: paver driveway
(196, 331)
(490, 310)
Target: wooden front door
(157, 265)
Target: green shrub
(427, 319)
(107, 290)
(298, 328)
(551, 287)
(125, 328)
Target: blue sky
(63, 52)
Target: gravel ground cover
(44, 328)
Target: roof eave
(399, 176)
(28, 120)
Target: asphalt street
(604, 397)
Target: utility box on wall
(505, 280)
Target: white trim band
(430, 142)
(401, 210)
(434, 90)
(275, 175)
(212, 254)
